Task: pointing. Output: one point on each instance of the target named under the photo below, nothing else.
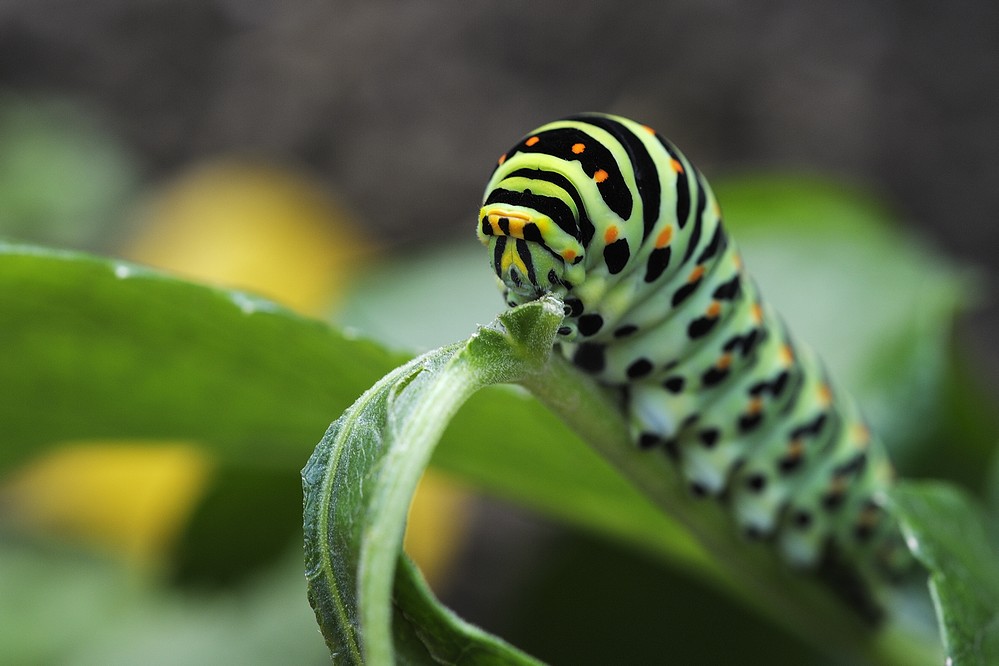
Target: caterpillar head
(530, 254)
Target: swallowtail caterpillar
(608, 215)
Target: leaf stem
(411, 443)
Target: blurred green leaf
(106, 349)
(62, 607)
(509, 445)
(63, 179)
(947, 532)
(246, 520)
(968, 415)
(55, 602)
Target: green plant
(99, 348)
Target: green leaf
(510, 445)
(946, 530)
(361, 478)
(107, 349)
(427, 632)
(65, 607)
(246, 519)
(64, 179)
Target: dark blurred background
(398, 110)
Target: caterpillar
(609, 216)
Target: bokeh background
(291, 147)
(398, 107)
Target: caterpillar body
(608, 215)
